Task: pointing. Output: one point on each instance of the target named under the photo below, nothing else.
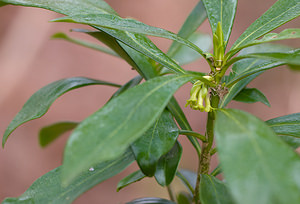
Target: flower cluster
(199, 94)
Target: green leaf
(50, 133)
(185, 55)
(222, 11)
(39, 103)
(288, 125)
(213, 191)
(184, 198)
(292, 57)
(280, 13)
(132, 83)
(291, 33)
(244, 71)
(191, 24)
(167, 165)
(155, 142)
(83, 43)
(189, 179)
(125, 24)
(109, 131)
(2, 4)
(65, 7)
(132, 178)
(151, 201)
(293, 142)
(251, 95)
(257, 165)
(49, 189)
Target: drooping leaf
(223, 12)
(65, 7)
(189, 178)
(214, 191)
(131, 178)
(50, 133)
(87, 44)
(167, 165)
(251, 95)
(291, 33)
(280, 13)
(109, 131)
(288, 125)
(244, 71)
(39, 103)
(155, 142)
(151, 201)
(49, 189)
(185, 55)
(125, 24)
(191, 24)
(257, 165)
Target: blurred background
(29, 60)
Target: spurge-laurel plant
(142, 120)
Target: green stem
(193, 134)
(170, 192)
(204, 162)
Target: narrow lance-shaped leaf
(191, 24)
(109, 131)
(291, 33)
(50, 133)
(250, 153)
(39, 103)
(280, 13)
(78, 7)
(49, 189)
(125, 24)
(155, 142)
(83, 43)
(288, 125)
(130, 179)
(214, 191)
(251, 95)
(167, 165)
(292, 57)
(222, 11)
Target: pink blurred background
(29, 60)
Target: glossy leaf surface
(155, 142)
(125, 24)
(191, 24)
(109, 131)
(222, 11)
(288, 125)
(257, 165)
(280, 13)
(39, 103)
(293, 142)
(132, 83)
(251, 95)
(131, 178)
(50, 133)
(167, 165)
(185, 55)
(49, 189)
(83, 43)
(214, 191)
(151, 201)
